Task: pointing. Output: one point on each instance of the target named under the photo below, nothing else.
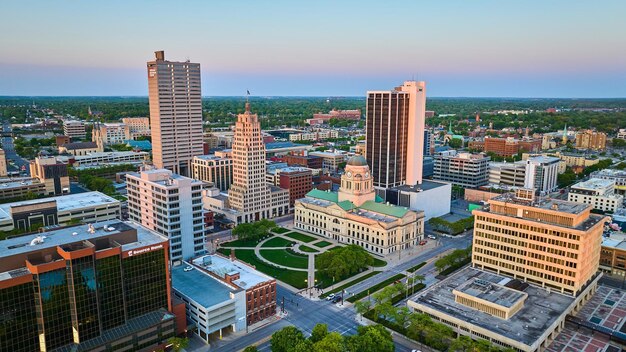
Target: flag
(248, 92)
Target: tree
(303, 346)
(332, 342)
(178, 343)
(362, 307)
(285, 339)
(251, 349)
(318, 333)
(343, 262)
(370, 338)
(455, 143)
(461, 344)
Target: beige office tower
(175, 113)
(395, 134)
(551, 243)
(249, 194)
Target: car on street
(330, 296)
(432, 237)
(422, 243)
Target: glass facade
(53, 309)
(83, 298)
(18, 319)
(110, 292)
(145, 283)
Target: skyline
(483, 49)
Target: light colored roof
(329, 196)
(248, 276)
(387, 209)
(64, 203)
(373, 206)
(200, 287)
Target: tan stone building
(355, 215)
(534, 261)
(589, 139)
(52, 174)
(136, 126)
(175, 113)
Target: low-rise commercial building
(310, 161)
(507, 174)
(105, 158)
(104, 134)
(597, 192)
(330, 160)
(463, 169)
(88, 207)
(21, 187)
(213, 169)
(136, 127)
(86, 288)
(617, 176)
(298, 180)
(613, 255)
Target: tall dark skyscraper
(395, 134)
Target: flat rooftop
(541, 309)
(544, 159)
(220, 266)
(10, 184)
(493, 292)
(63, 236)
(282, 145)
(610, 173)
(425, 186)
(594, 184)
(64, 203)
(200, 287)
(562, 206)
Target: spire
(247, 100)
(247, 107)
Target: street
(305, 314)
(9, 150)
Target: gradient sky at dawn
(475, 48)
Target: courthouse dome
(357, 160)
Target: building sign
(144, 250)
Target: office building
(3, 164)
(618, 176)
(136, 127)
(541, 174)
(589, 139)
(86, 288)
(74, 129)
(175, 113)
(284, 148)
(212, 305)
(430, 197)
(105, 134)
(52, 174)
(213, 169)
(79, 148)
(507, 147)
(507, 174)
(534, 261)
(597, 192)
(309, 161)
(355, 215)
(394, 134)
(463, 169)
(330, 160)
(88, 207)
(298, 180)
(249, 195)
(429, 143)
(259, 289)
(170, 205)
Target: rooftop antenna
(247, 100)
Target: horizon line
(308, 96)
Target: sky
(468, 48)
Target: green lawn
(351, 283)
(280, 230)
(286, 258)
(415, 268)
(307, 249)
(240, 243)
(291, 277)
(375, 288)
(378, 263)
(322, 244)
(301, 237)
(277, 242)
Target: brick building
(298, 181)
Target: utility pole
(283, 305)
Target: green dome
(357, 160)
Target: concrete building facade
(597, 192)
(541, 174)
(105, 134)
(589, 139)
(213, 169)
(463, 169)
(175, 113)
(170, 205)
(52, 174)
(74, 129)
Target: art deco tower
(395, 134)
(249, 193)
(175, 113)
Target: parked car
(337, 299)
(432, 237)
(422, 243)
